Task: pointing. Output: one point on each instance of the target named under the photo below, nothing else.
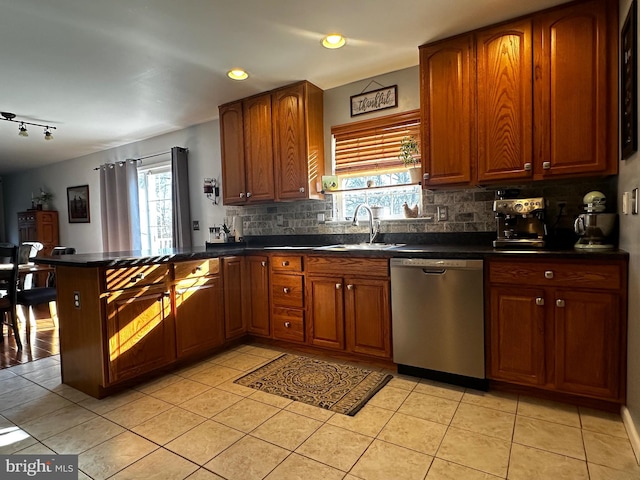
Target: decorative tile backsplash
(468, 210)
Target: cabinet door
(587, 349)
(575, 85)
(368, 316)
(232, 146)
(199, 315)
(517, 347)
(256, 296)
(258, 151)
(505, 104)
(447, 92)
(233, 317)
(141, 333)
(326, 312)
(290, 142)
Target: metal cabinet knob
(264, 264)
(301, 189)
(560, 303)
(338, 286)
(349, 287)
(546, 165)
(425, 176)
(287, 324)
(285, 263)
(137, 277)
(527, 166)
(198, 269)
(539, 301)
(241, 194)
(548, 274)
(248, 194)
(286, 289)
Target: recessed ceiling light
(237, 74)
(334, 40)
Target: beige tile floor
(197, 424)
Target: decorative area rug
(333, 386)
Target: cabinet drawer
(560, 274)
(288, 324)
(287, 290)
(197, 268)
(127, 277)
(286, 263)
(366, 267)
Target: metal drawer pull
(560, 303)
(548, 274)
(248, 194)
(137, 277)
(349, 287)
(546, 165)
(301, 189)
(286, 289)
(287, 324)
(338, 286)
(285, 263)
(539, 301)
(264, 264)
(527, 166)
(198, 269)
(241, 194)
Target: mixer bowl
(594, 228)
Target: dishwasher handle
(434, 271)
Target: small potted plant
(43, 199)
(410, 156)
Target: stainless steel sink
(345, 247)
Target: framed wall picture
(629, 84)
(78, 204)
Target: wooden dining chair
(9, 287)
(37, 296)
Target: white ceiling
(111, 72)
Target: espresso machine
(520, 222)
(594, 226)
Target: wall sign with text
(375, 100)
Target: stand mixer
(594, 226)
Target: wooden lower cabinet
(256, 299)
(199, 315)
(350, 312)
(234, 324)
(517, 335)
(326, 312)
(141, 335)
(563, 329)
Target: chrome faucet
(374, 225)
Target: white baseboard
(632, 431)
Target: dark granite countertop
(444, 245)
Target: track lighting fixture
(22, 128)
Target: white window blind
(373, 145)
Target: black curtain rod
(142, 158)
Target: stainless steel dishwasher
(438, 319)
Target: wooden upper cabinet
(298, 143)
(258, 148)
(232, 146)
(504, 102)
(447, 90)
(576, 67)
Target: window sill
(382, 187)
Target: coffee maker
(520, 222)
(594, 226)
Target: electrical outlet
(442, 213)
(196, 225)
(280, 220)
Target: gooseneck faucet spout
(374, 226)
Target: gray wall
(628, 179)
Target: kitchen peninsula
(129, 315)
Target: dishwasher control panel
(435, 262)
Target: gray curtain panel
(181, 208)
(119, 206)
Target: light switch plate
(625, 202)
(634, 201)
(196, 225)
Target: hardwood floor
(43, 343)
